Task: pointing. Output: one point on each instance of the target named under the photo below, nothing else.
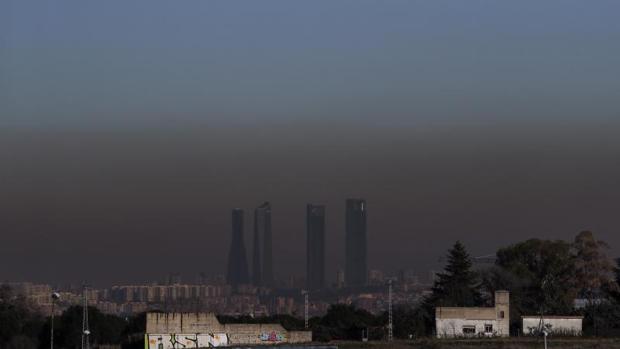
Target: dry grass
(512, 343)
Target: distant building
(237, 273)
(262, 255)
(494, 321)
(315, 246)
(407, 276)
(340, 278)
(558, 325)
(376, 277)
(356, 263)
(174, 278)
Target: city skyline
(124, 147)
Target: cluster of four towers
(356, 265)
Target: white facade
(454, 328)
(494, 321)
(558, 325)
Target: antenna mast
(305, 293)
(390, 325)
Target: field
(512, 343)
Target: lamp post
(55, 297)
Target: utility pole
(85, 330)
(390, 324)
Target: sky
(129, 130)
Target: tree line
(23, 326)
(543, 277)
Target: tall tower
(356, 263)
(315, 247)
(502, 309)
(237, 273)
(262, 257)
(257, 263)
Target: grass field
(512, 343)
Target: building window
(469, 330)
(501, 314)
(488, 328)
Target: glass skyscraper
(356, 262)
(315, 247)
(237, 273)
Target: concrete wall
(449, 328)
(256, 334)
(300, 336)
(449, 321)
(567, 326)
(183, 323)
(187, 340)
(190, 329)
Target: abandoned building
(555, 325)
(451, 322)
(202, 330)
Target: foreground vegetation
(511, 343)
(543, 276)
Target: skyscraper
(315, 247)
(356, 263)
(237, 273)
(262, 257)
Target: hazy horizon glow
(128, 130)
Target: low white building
(557, 325)
(494, 321)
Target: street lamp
(55, 297)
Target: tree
(347, 322)
(547, 271)
(20, 323)
(104, 328)
(457, 285)
(594, 270)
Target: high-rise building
(237, 261)
(340, 278)
(262, 257)
(356, 263)
(315, 247)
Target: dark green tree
(547, 272)
(594, 270)
(104, 328)
(457, 285)
(347, 322)
(20, 323)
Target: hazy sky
(129, 129)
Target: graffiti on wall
(186, 341)
(272, 336)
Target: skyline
(128, 131)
